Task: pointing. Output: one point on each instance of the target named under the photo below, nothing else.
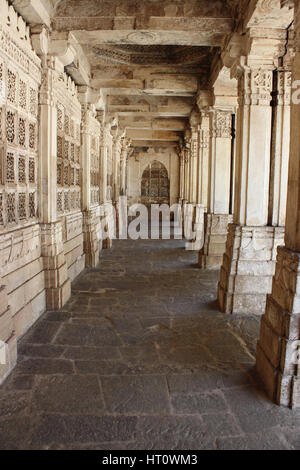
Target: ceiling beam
(136, 134)
(162, 124)
(153, 143)
(154, 106)
(93, 37)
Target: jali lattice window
(155, 184)
(18, 144)
(68, 163)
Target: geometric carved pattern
(32, 207)
(11, 87)
(22, 206)
(31, 170)
(68, 148)
(22, 170)
(10, 127)
(18, 140)
(32, 136)
(11, 208)
(22, 95)
(22, 132)
(95, 169)
(10, 168)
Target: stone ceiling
(148, 58)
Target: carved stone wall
(22, 300)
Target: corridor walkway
(140, 358)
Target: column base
(277, 357)
(247, 268)
(216, 230)
(57, 282)
(8, 340)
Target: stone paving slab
(140, 358)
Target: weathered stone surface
(243, 287)
(169, 381)
(52, 394)
(145, 395)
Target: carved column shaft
(58, 286)
(194, 165)
(187, 171)
(281, 147)
(103, 165)
(249, 260)
(277, 359)
(181, 181)
(86, 157)
(48, 144)
(203, 162)
(217, 216)
(220, 164)
(253, 147)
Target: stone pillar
(281, 147)
(116, 149)
(218, 218)
(249, 260)
(123, 165)
(58, 286)
(277, 357)
(181, 177)
(194, 165)
(106, 145)
(187, 171)
(90, 208)
(103, 158)
(123, 159)
(203, 161)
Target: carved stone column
(181, 177)
(280, 147)
(187, 158)
(217, 217)
(277, 358)
(58, 286)
(103, 157)
(116, 149)
(203, 162)
(90, 134)
(249, 260)
(194, 165)
(123, 165)
(105, 198)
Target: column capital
(204, 99)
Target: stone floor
(140, 358)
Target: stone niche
(138, 163)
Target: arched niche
(155, 184)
